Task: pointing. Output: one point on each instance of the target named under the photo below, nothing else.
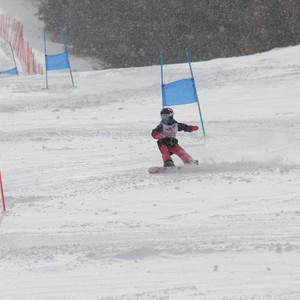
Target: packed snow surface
(85, 220)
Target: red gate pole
(2, 193)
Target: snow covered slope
(86, 221)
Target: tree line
(126, 33)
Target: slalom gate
(2, 193)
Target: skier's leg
(166, 156)
(184, 156)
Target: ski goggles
(166, 116)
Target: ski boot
(169, 163)
(192, 162)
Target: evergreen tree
(123, 33)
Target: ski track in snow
(86, 221)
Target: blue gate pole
(14, 58)
(162, 79)
(64, 41)
(195, 90)
(45, 58)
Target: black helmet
(166, 112)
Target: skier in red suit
(165, 133)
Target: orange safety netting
(13, 31)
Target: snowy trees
(125, 33)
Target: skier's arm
(187, 128)
(157, 132)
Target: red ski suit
(167, 142)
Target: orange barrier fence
(13, 31)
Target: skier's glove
(194, 128)
(157, 136)
(169, 141)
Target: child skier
(165, 133)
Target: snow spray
(2, 193)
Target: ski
(156, 170)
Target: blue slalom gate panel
(13, 71)
(57, 61)
(179, 92)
